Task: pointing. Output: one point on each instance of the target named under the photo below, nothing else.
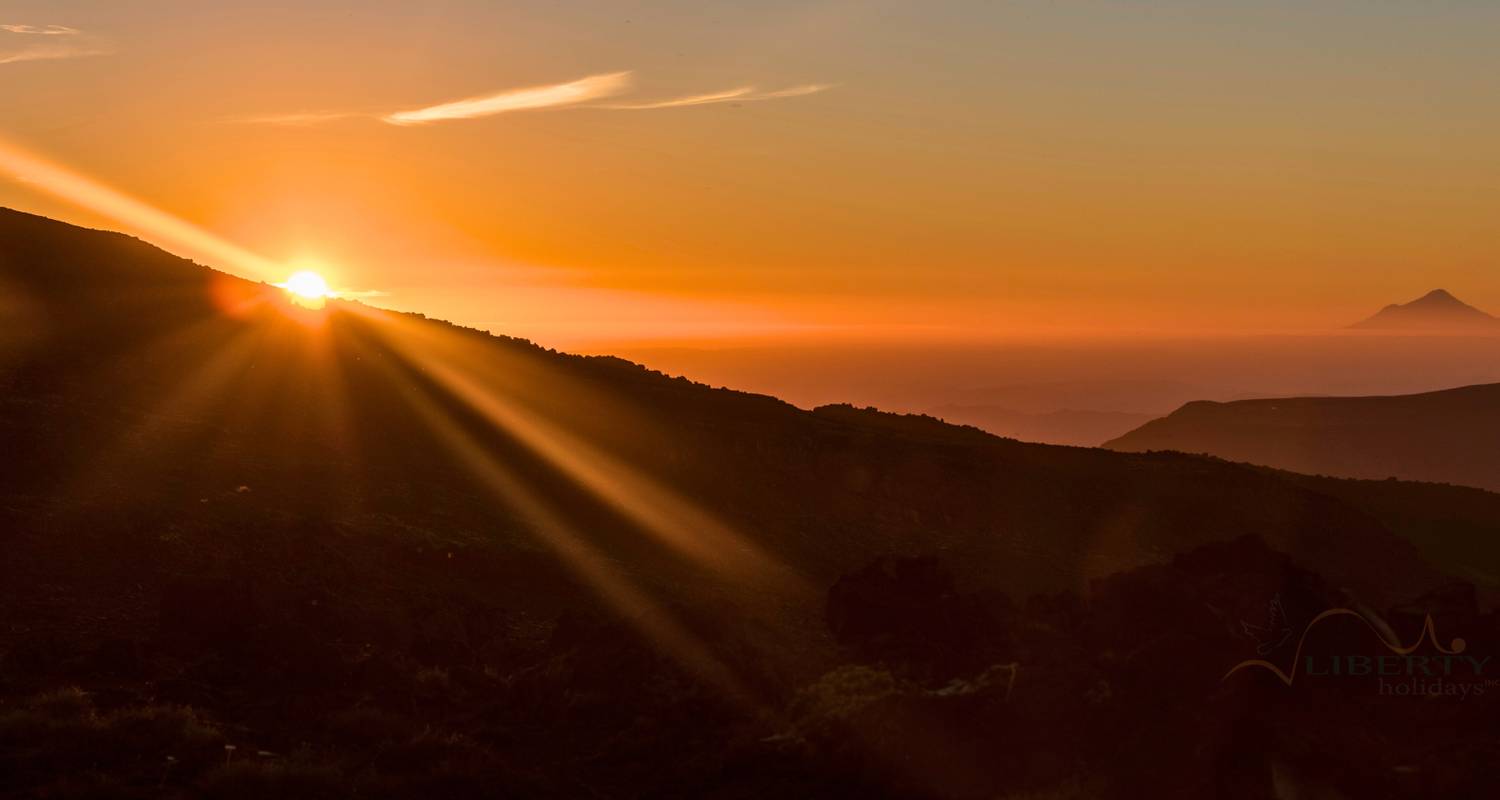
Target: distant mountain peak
(1436, 310)
(1436, 296)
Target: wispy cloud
(795, 91)
(60, 42)
(692, 100)
(743, 94)
(41, 30)
(578, 93)
(46, 53)
(582, 90)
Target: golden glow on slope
(163, 228)
(477, 379)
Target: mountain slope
(161, 372)
(1444, 436)
(1076, 427)
(457, 563)
(1435, 311)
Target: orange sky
(695, 171)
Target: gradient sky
(701, 170)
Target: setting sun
(307, 285)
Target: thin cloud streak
(576, 94)
(41, 30)
(691, 100)
(561, 94)
(49, 49)
(795, 91)
(743, 94)
(50, 53)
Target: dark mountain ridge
(441, 562)
(127, 346)
(1444, 436)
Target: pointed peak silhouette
(1438, 296)
(1436, 310)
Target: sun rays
(257, 357)
(166, 228)
(494, 391)
(587, 561)
(249, 361)
(329, 421)
(475, 378)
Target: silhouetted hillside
(382, 555)
(1444, 436)
(1435, 311)
(1080, 428)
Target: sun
(307, 289)
(307, 285)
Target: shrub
(908, 612)
(255, 780)
(59, 738)
(823, 708)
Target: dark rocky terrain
(253, 550)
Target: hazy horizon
(1148, 376)
(805, 173)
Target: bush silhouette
(908, 611)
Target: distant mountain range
(1447, 436)
(1435, 311)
